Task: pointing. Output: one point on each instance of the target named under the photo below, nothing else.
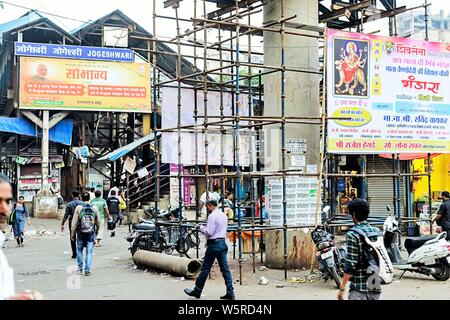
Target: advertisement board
(301, 200)
(216, 141)
(83, 85)
(394, 92)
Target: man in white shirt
(211, 196)
(7, 290)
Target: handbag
(122, 204)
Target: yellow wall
(440, 175)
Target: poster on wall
(84, 85)
(301, 200)
(190, 141)
(174, 186)
(393, 92)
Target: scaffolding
(231, 81)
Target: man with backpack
(114, 209)
(85, 225)
(364, 285)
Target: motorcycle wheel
(335, 276)
(442, 271)
(143, 242)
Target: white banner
(215, 138)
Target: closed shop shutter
(380, 190)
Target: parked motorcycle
(428, 255)
(143, 236)
(330, 256)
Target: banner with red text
(392, 94)
(84, 85)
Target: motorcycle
(330, 256)
(142, 236)
(428, 255)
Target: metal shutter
(379, 189)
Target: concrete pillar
(301, 99)
(45, 148)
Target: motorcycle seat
(146, 221)
(412, 244)
(144, 226)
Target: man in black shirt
(70, 209)
(113, 207)
(443, 214)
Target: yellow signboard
(84, 85)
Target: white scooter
(428, 255)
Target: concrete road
(45, 264)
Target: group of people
(227, 203)
(87, 215)
(87, 218)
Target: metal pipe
(155, 126)
(430, 211)
(238, 141)
(394, 187)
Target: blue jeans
(84, 240)
(215, 250)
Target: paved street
(44, 264)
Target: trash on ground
(263, 268)
(263, 281)
(31, 233)
(300, 279)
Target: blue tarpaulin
(116, 154)
(61, 132)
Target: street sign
(72, 52)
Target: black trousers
(73, 243)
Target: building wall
(440, 175)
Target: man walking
(70, 209)
(443, 214)
(7, 288)
(114, 210)
(355, 271)
(85, 225)
(215, 232)
(102, 207)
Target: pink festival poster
(387, 94)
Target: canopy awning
(61, 132)
(116, 154)
(409, 156)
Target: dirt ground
(45, 264)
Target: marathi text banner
(63, 84)
(72, 52)
(392, 94)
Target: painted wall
(440, 175)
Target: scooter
(428, 255)
(330, 256)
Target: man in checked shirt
(361, 286)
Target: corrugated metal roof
(32, 17)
